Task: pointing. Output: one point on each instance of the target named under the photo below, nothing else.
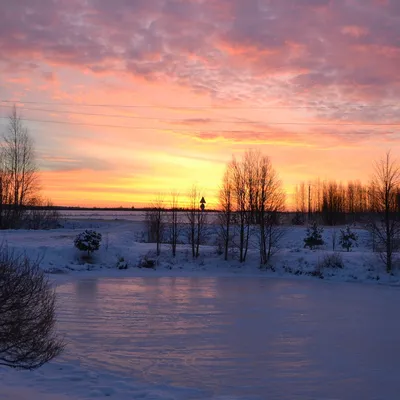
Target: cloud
(327, 61)
(49, 76)
(64, 163)
(314, 44)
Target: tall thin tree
(240, 204)
(19, 165)
(271, 201)
(385, 186)
(155, 220)
(174, 222)
(226, 214)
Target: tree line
(376, 204)
(335, 203)
(252, 200)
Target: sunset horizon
(130, 101)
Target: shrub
(314, 236)
(147, 262)
(348, 238)
(28, 336)
(331, 261)
(41, 215)
(122, 263)
(88, 241)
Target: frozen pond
(242, 338)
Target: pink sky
(204, 80)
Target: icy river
(238, 338)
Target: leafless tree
(335, 202)
(174, 222)
(197, 221)
(271, 201)
(252, 195)
(155, 221)
(226, 214)
(385, 187)
(19, 169)
(333, 206)
(300, 198)
(5, 196)
(28, 338)
(240, 204)
(201, 230)
(191, 212)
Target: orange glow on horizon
(162, 98)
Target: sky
(128, 99)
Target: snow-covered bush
(314, 236)
(88, 241)
(122, 263)
(147, 262)
(331, 261)
(348, 238)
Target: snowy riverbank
(121, 245)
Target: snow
(143, 333)
(122, 235)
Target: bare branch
(28, 338)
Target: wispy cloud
(319, 61)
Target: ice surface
(225, 338)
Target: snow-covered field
(210, 329)
(123, 237)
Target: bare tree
(333, 203)
(201, 229)
(240, 204)
(19, 166)
(192, 210)
(155, 220)
(226, 214)
(5, 196)
(174, 222)
(252, 196)
(300, 198)
(271, 201)
(197, 221)
(28, 338)
(385, 187)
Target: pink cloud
(337, 59)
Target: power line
(272, 107)
(209, 130)
(183, 120)
(188, 120)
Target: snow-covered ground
(123, 235)
(99, 365)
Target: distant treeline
(76, 208)
(337, 203)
